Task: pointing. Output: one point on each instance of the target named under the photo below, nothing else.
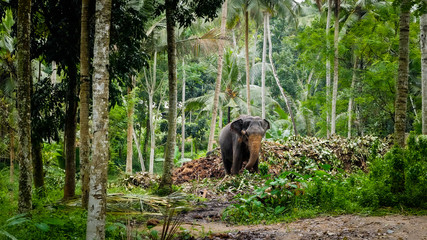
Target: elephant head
(251, 130)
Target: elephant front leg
(237, 164)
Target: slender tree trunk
(350, 101)
(141, 159)
(53, 75)
(218, 79)
(270, 55)
(36, 155)
(70, 134)
(166, 182)
(248, 87)
(423, 40)
(183, 111)
(328, 69)
(84, 103)
(336, 65)
(129, 151)
(146, 138)
(100, 151)
(12, 154)
(264, 50)
(152, 136)
(254, 53)
(403, 73)
(220, 119)
(151, 115)
(24, 105)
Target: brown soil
(340, 227)
(205, 223)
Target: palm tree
(245, 8)
(271, 7)
(98, 171)
(166, 182)
(336, 65)
(24, 105)
(403, 74)
(218, 78)
(285, 97)
(350, 101)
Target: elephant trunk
(254, 144)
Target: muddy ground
(205, 223)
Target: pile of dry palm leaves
(296, 154)
(141, 179)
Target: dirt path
(205, 223)
(341, 227)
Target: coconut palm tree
(218, 78)
(403, 74)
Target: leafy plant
(14, 221)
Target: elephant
(240, 141)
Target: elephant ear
(237, 126)
(266, 125)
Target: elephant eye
(246, 125)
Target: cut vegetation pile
(297, 154)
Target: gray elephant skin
(240, 141)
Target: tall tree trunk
(151, 115)
(12, 154)
(423, 40)
(183, 111)
(328, 68)
(350, 101)
(254, 56)
(402, 78)
(336, 65)
(152, 136)
(70, 134)
(248, 87)
(24, 105)
(270, 55)
(36, 154)
(84, 102)
(129, 151)
(264, 50)
(100, 151)
(218, 78)
(166, 182)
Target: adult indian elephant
(240, 141)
